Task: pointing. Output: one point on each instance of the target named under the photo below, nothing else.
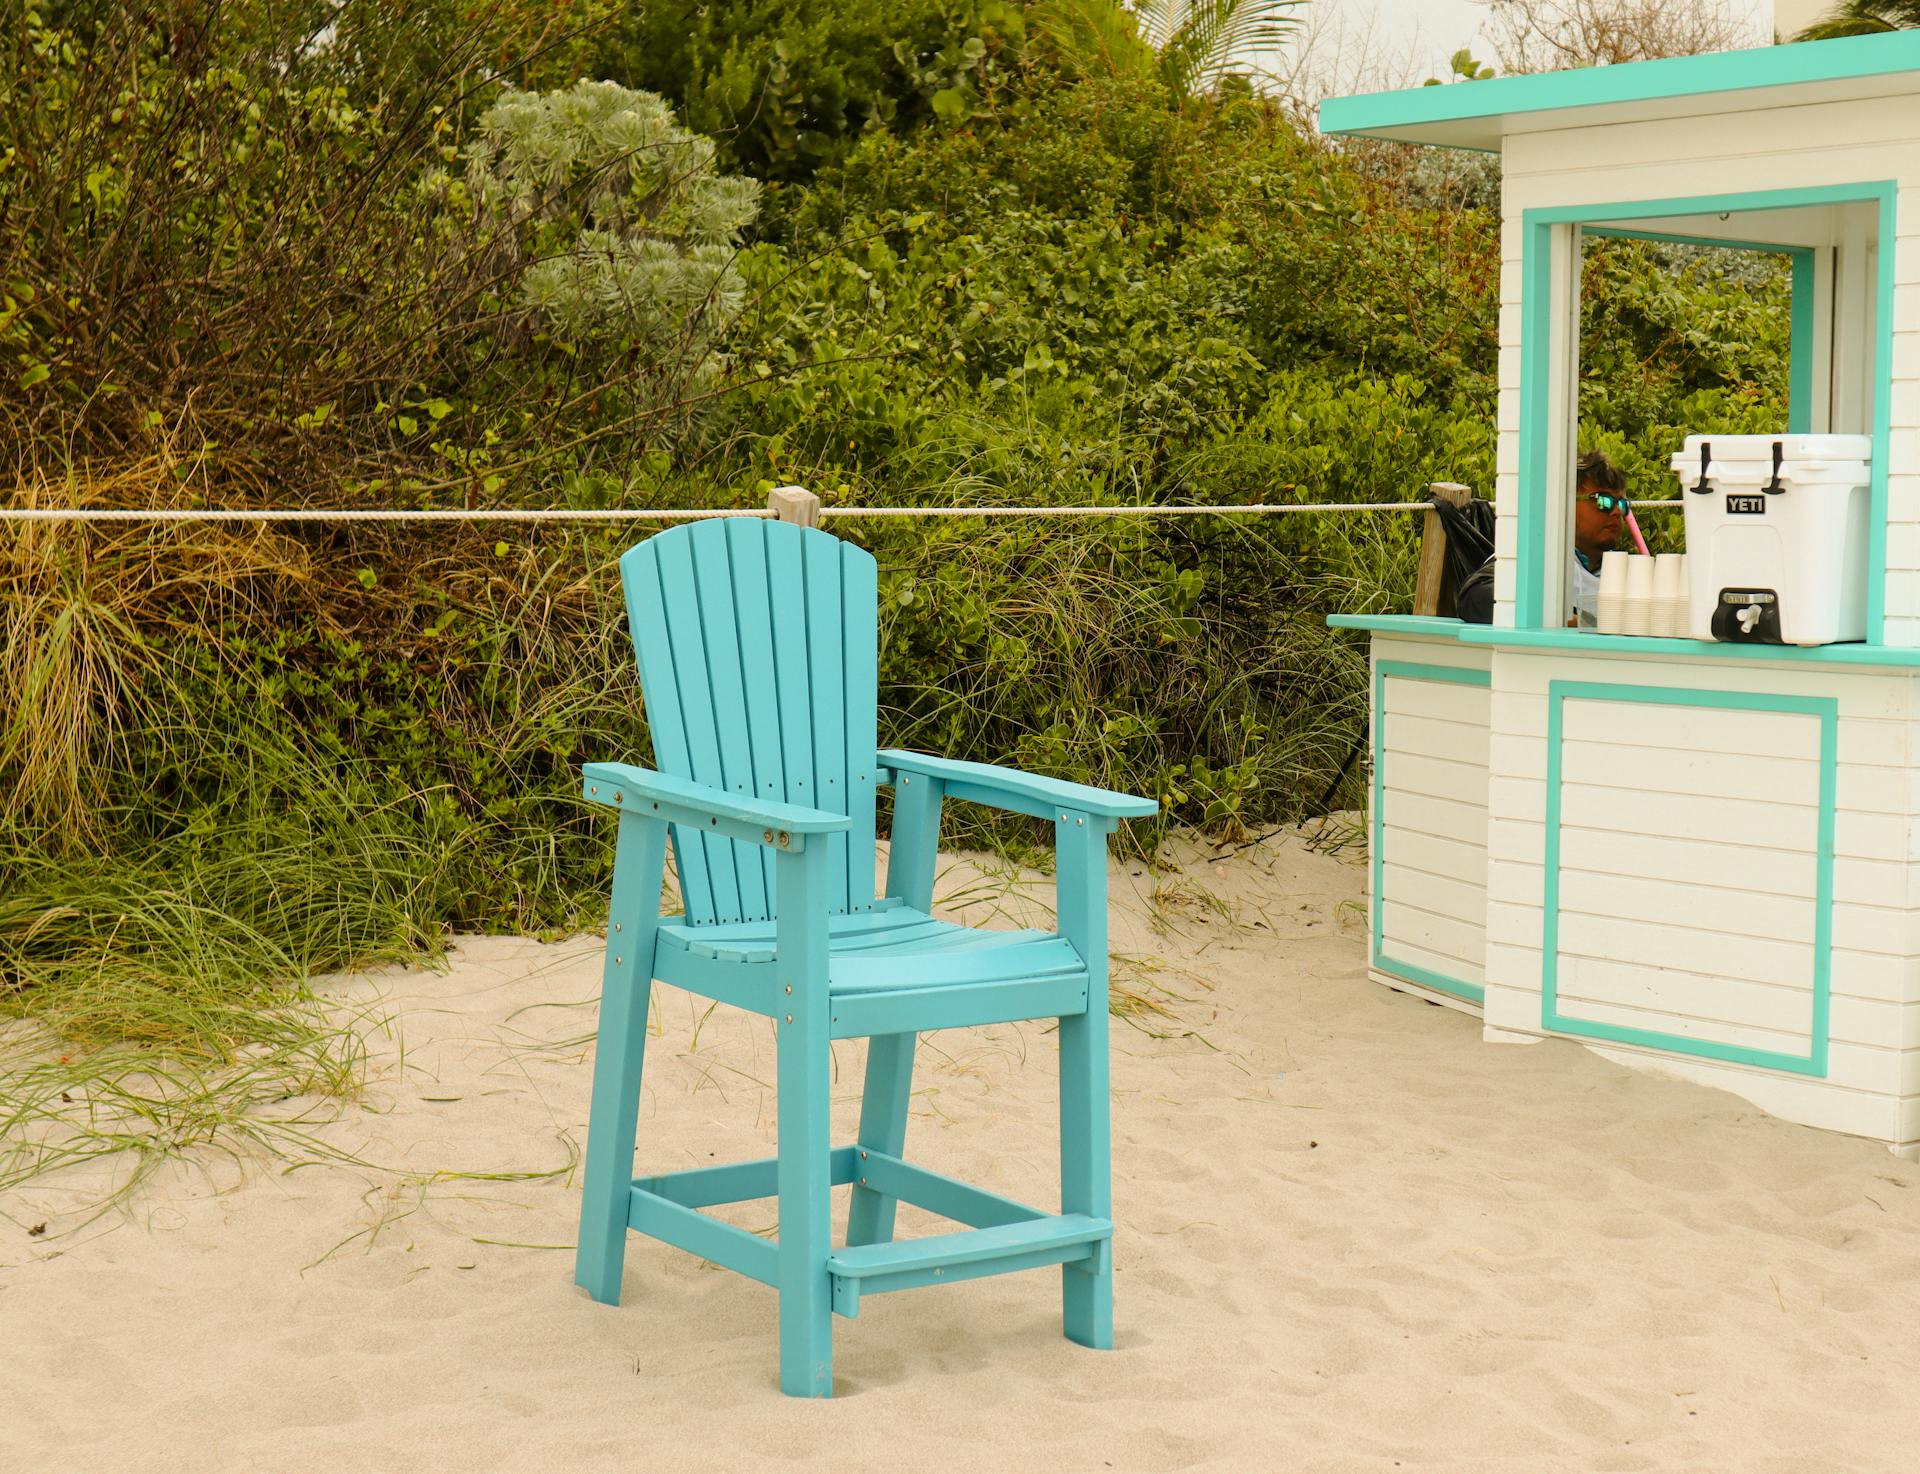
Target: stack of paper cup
(1610, 617)
(1670, 594)
(1637, 607)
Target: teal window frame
(1826, 710)
(1538, 342)
(1407, 670)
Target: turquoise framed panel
(1538, 227)
(1826, 710)
(1407, 670)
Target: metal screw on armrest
(619, 961)
(766, 836)
(616, 926)
(789, 1018)
(618, 795)
(594, 789)
(789, 987)
(785, 839)
(863, 1156)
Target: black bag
(1469, 571)
(1473, 600)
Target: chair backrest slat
(721, 632)
(860, 601)
(759, 669)
(700, 715)
(753, 610)
(826, 662)
(646, 593)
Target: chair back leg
(883, 1127)
(626, 980)
(1086, 1147)
(804, 1171)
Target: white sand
(1353, 1237)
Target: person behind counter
(1599, 517)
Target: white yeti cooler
(1776, 537)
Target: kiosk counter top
(1586, 642)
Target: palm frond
(1864, 18)
(1202, 41)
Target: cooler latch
(1773, 487)
(1706, 459)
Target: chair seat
(863, 948)
(884, 961)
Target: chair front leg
(633, 918)
(804, 1172)
(1086, 1138)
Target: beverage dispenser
(1777, 537)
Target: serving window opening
(1721, 371)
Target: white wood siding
(1432, 743)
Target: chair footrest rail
(1002, 1235)
(1035, 1243)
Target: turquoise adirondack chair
(758, 665)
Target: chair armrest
(1022, 793)
(681, 801)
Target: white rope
(364, 514)
(655, 514)
(1253, 508)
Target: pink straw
(1634, 527)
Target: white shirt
(1585, 588)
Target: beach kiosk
(1698, 855)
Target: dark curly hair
(1594, 472)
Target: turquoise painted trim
(1881, 657)
(1743, 202)
(1827, 710)
(1498, 102)
(1537, 341)
(1666, 238)
(1536, 358)
(1425, 626)
(1888, 194)
(1801, 354)
(1410, 671)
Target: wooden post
(794, 504)
(1432, 594)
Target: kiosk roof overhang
(1481, 115)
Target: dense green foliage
(787, 86)
(1000, 261)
